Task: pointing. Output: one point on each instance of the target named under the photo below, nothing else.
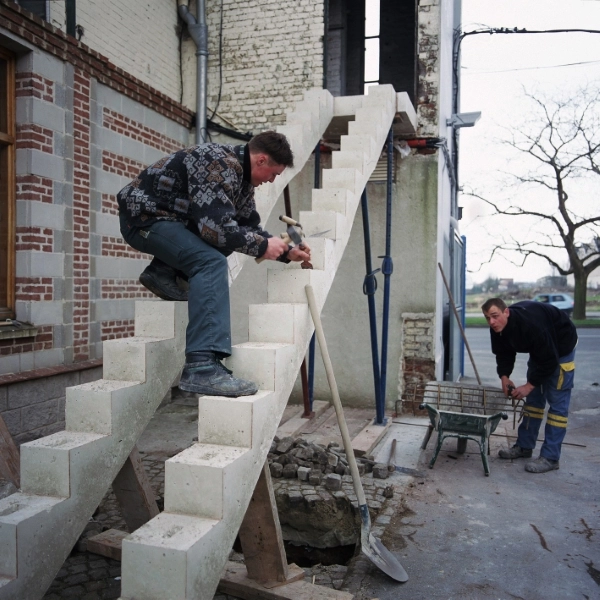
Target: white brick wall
(137, 35)
(272, 51)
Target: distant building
(554, 282)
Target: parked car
(562, 301)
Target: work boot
(541, 465)
(204, 374)
(515, 452)
(161, 280)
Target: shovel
(374, 550)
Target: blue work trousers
(556, 391)
(209, 326)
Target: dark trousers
(209, 327)
(556, 392)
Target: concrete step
(268, 364)
(280, 323)
(173, 557)
(345, 179)
(207, 480)
(340, 200)
(238, 422)
(57, 464)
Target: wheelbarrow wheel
(461, 445)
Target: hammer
(293, 234)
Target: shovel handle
(337, 403)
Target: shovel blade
(383, 559)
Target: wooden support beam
(108, 543)
(260, 534)
(237, 583)
(134, 492)
(10, 462)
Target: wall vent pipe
(199, 33)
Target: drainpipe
(199, 33)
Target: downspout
(199, 33)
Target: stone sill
(17, 329)
(11, 378)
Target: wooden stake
(134, 492)
(260, 534)
(10, 462)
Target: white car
(562, 301)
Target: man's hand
(300, 253)
(506, 384)
(522, 391)
(276, 247)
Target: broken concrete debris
(298, 458)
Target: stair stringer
(64, 476)
(305, 125)
(181, 553)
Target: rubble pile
(317, 464)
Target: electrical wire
(220, 65)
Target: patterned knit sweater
(203, 186)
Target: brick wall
(429, 67)
(274, 52)
(138, 36)
(84, 129)
(417, 358)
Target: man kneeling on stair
(190, 210)
(549, 336)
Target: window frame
(8, 191)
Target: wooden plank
(260, 535)
(108, 543)
(294, 426)
(10, 462)
(134, 492)
(236, 583)
(369, 437)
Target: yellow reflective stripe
(557, 417)
(533, 415)
(564, 368)
(556, 423)
(533, 410)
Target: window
(370, 42)
(7, 184)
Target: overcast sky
(495, 68)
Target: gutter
(199, 33)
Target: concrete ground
(511, 535)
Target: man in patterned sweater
(548, 335)
(190, 210)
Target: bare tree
(558, 152)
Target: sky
(495, 70)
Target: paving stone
(303, 473)
(295, 498)
(276, 469)
(380, 471)
(289, 471)
(333, 482)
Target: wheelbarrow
(463, 426)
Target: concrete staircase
(181, 553)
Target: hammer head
(294, 229)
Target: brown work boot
(515, 452)
(541, 465)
